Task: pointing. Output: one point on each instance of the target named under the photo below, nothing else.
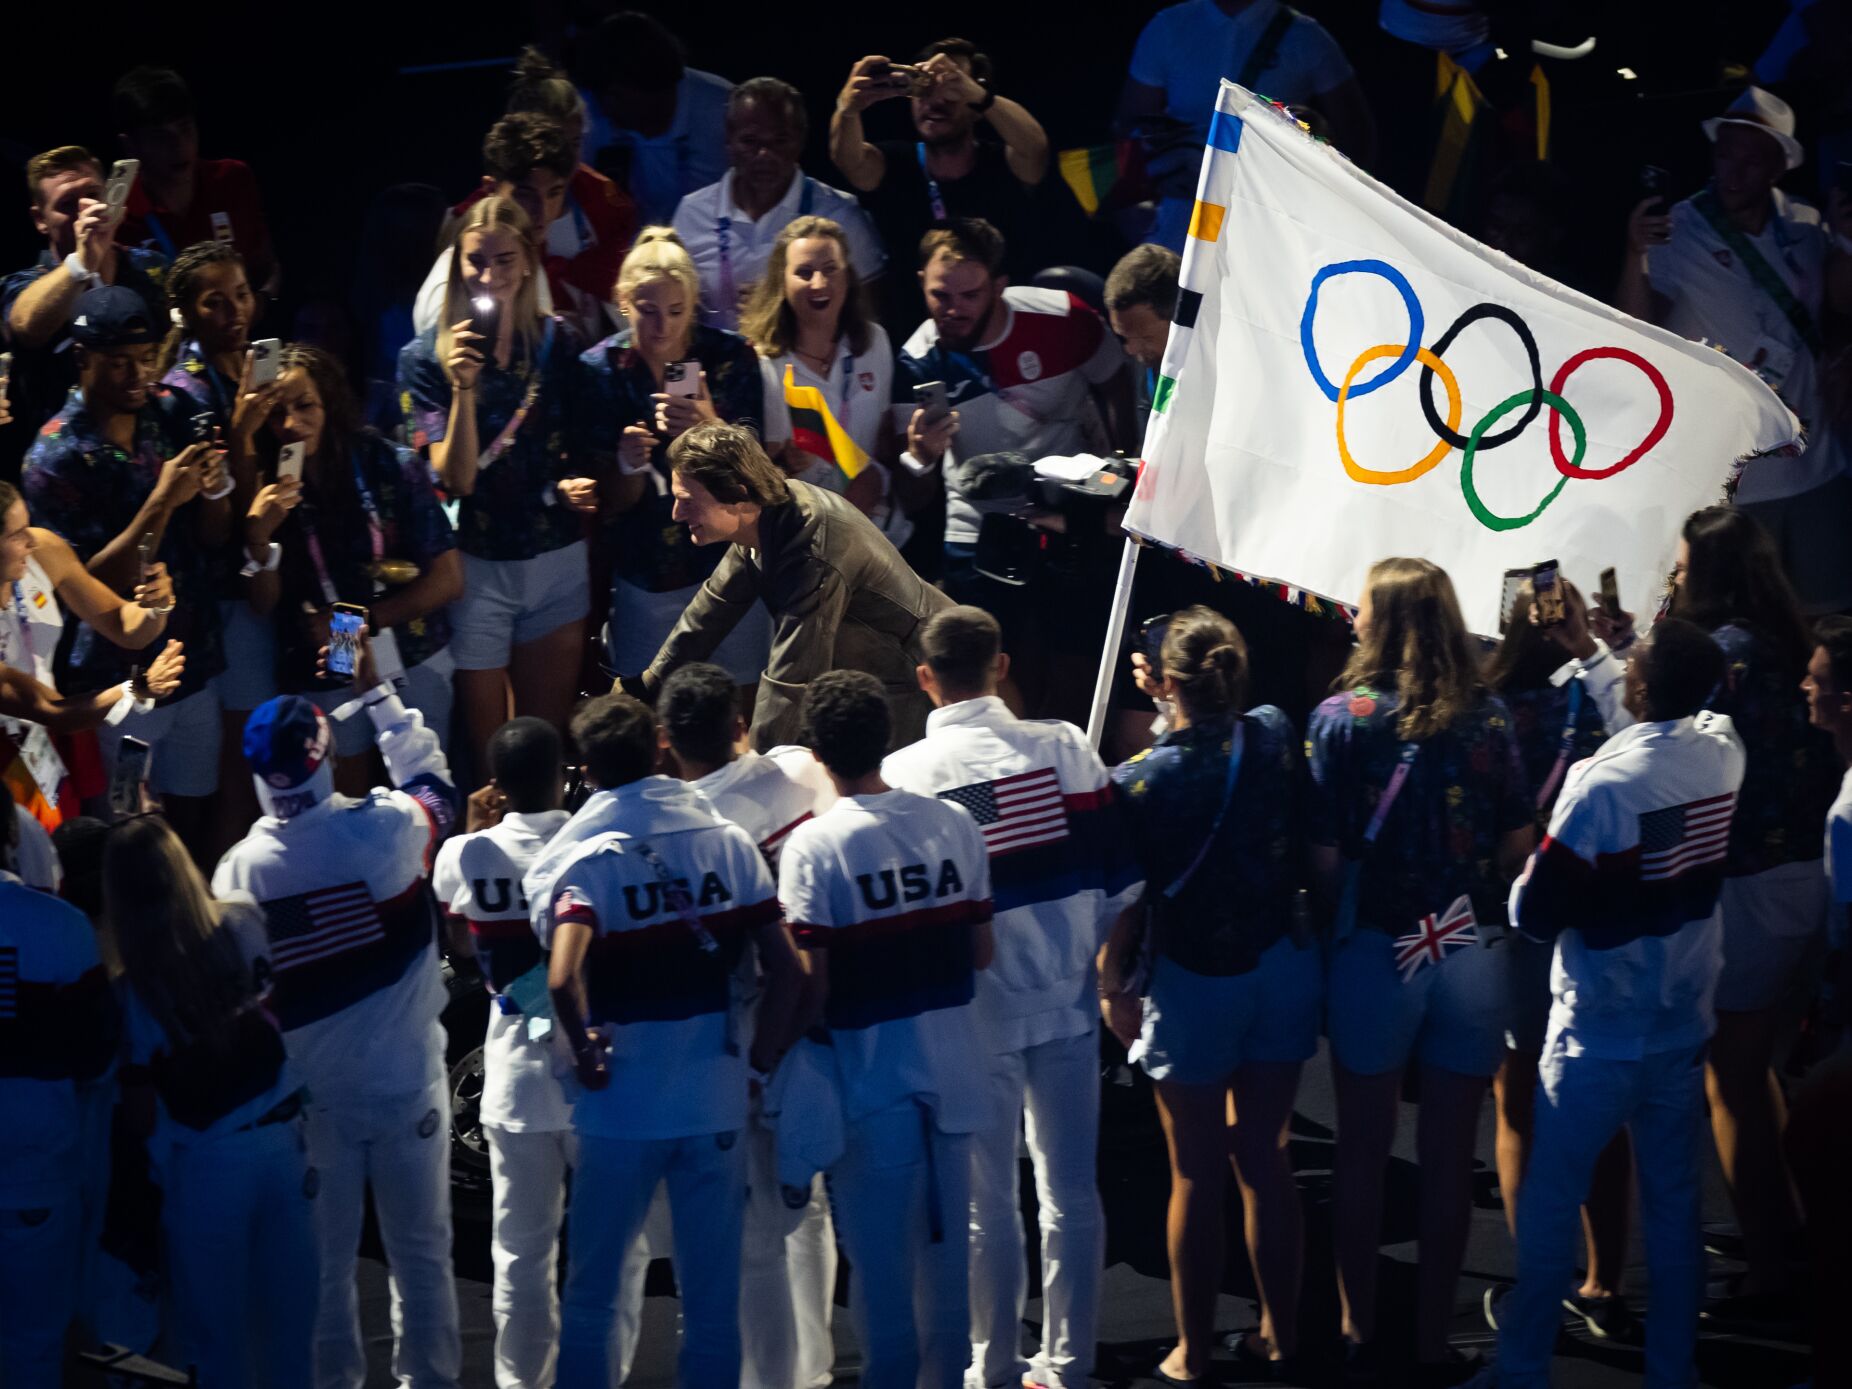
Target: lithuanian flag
(814, 428)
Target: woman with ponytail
(1420, 818)
(209, 1081)
(1227, 1011)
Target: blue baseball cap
(286, 741)
(113, 316)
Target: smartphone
(1547, 584)
(932, 399)
(1654, 181)
(121, 180)
(205, 427)
(1515, 579)
(1150, 639)
(486, 319)
(345, 625)
(682, 378)
(289, 461)
(131, 774)
(266, 360)
(145, 552)
(916, 80)
(1610, 595)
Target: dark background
(313, 96)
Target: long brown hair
(188, 972)
(1205, 655)
(494, 213)
(1733, 574)
(769, 322)
(1417, 643)
(1525, 657)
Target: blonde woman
(1421, 816)
(644, 387)
(208, 1077)
(485, 399)
(808, 320)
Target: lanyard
(933, 196)
(25, 634)
(160, 233)
(538, 367)
(213, 380)
(1564, 748)
(848, 383)
(1390, 792)
(723, 245)
(375, 531)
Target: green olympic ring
(1485, 516)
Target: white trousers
(40, 1256)
(527, 1179)
(1050, 1094)
(1581, 1103)
(238, 1223)
(400, 1147)
(613, 1187)
(787, 1279)
(900, 1193)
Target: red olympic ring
(1653, 436)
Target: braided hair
(183, 288)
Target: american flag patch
(1015, 812)
(9, 982)
(1686, 836)
(321, 924)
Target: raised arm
(44, 307)
(860, 162)
(1025, 143)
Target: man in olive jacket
(840, 595)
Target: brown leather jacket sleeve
(714, 611)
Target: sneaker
(1492, 1304)
(1607, 1319)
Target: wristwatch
(269, 564)
(990, 100)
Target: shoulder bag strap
(1764, 274)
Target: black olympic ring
(1445, 340)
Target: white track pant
(900, 1192)
(787, 1279)
(527, 1176)
(400, 1146)
(1050, 1092)
(612, 1190)
(1581, 1102)
(238, 1222)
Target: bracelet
(990, 100)
(461, 390)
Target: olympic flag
(1349, 377)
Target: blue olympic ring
(1412, 341)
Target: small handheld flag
(815, 430)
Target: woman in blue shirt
(1229, 1011)
(1419, 802)
(490, 414)
(209, 1084)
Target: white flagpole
(1115, 635)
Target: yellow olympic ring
(1359, 473)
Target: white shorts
(508, 603)
(1450, 1016)
(641, 621)
(1200, 1028)
(250, 674)
(1772, 922)
(185, 740)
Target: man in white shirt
(888, 894)
(524, 1115)
(58, 1028)
(343, 885)
(1626, 884)
(1743, 265)
(1059, 876)
(1265, 45)
(729, 226)
(654, 915)
(788, 1262)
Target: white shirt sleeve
(801, 891)
(866, 253)
(447, 874)
(429, 304)
(777, 431)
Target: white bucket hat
(1765, 112)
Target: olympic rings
(1653, 435)
(1532, 400)
(1410, 344)
(1433, 364)
(1445, 340)
(1485, 516)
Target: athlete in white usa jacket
(1059, 878)
(1626, 883)
(353, 937)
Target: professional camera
(1010, 490)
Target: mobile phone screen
(289, 461)
(1610, 594)
(344, 628)
(1549, 594)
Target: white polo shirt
(730, 247)
(1715, 300)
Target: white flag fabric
(1349, 378)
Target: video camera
(1010, 489)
